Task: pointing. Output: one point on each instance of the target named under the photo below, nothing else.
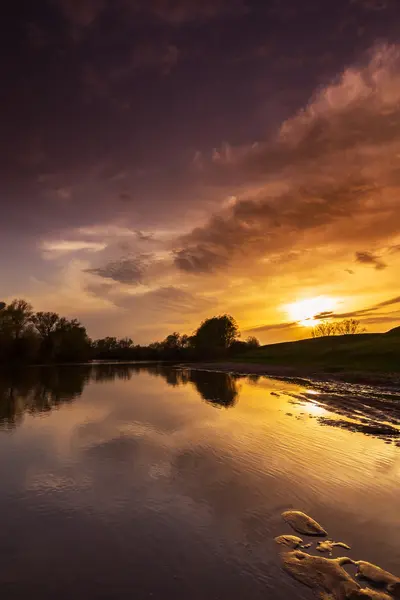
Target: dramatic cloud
(389, 302)
(337, 163)
(365, 311)
(200, 259)
(367, 258)
(324, 315)
(271, 327)
(163, 160)
(167, 300)
(126, 270)
(384, 319)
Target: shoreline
(298, 374)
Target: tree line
(46, 337)
(344, 327)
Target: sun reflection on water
(316, 409)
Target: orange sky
(167, 223)
(317, 217)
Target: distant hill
(395, 331)
(362, 352)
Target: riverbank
(300, 374)
(367, 359)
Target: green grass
(363, 352)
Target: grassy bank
(364, 352)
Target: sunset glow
(200, 299)
(305, 311)
(176, 178)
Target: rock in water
(329, 545)
(325, 576)
(379, 577)
(302, 523)
(288, 542)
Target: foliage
(28, 337)
(238, 347)
(45, 323)
(216, 335)
(345, 327)
(252, 343)
(16, 318)
(46, 337)
(71, 341)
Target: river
(134, 481)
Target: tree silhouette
(349, 327)
(216, 335)
(345, 327)
(17, 316)
(45, 323)
(72, 342)
(46, 338)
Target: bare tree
(349, 327)
(324, 329)
(345, 327)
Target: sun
(305, 312)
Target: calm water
(145, 482)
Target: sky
(164, 161)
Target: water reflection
(106, 372)
(371, 411)
(219, 389)
(139, 476)
(40, 389)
